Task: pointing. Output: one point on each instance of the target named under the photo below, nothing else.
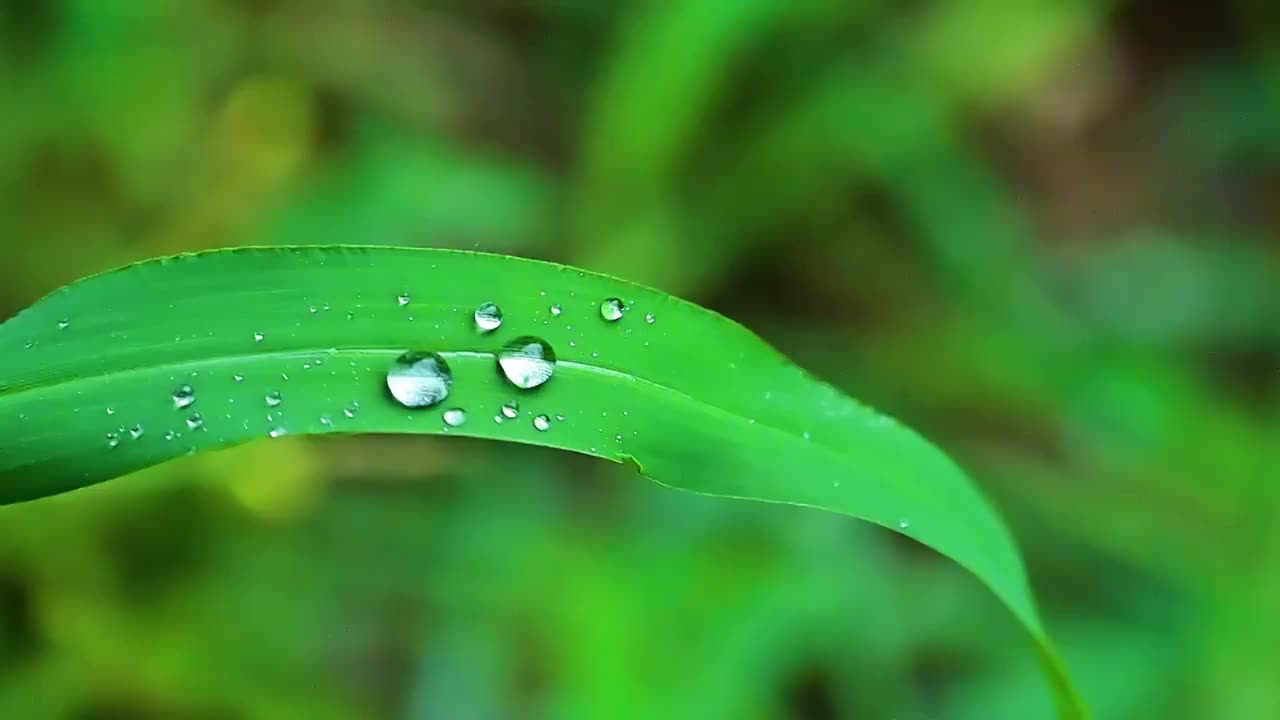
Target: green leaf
(690, 398)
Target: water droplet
(63, 324)
(651, 318)
(420, 379)
(259, 337)
(560, 418)
(350, 410)
(237, 377)
(195, 422)
(135, 432)
(904, 524)
(556, 310)
(113, 440)
(313, 309)
(455, 417)
(527, 362)
(402, 300)
(111, 411)
(326, 420)
(488, 317)
(542, 423)
(511, 410)
(612, 309)
(184, 397)
(170, 435)
(274, 399)
(277, 432)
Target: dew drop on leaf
(542, 423)
(527, 362)
(274, 399)
(488, 317)
(136, 431)
(651, 318)
(195, 422)
(511, 410)
(113, 440)
(184, 397)
(402, 299)
(455, 417)
(419, 379)
(556, 310)
(64, 324)
(259, 337)
(612, 309)
(277, 432)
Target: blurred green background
(1044, 232)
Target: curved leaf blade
(89, 374)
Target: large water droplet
(612, 309)
(542, 423)
(488, 317)
(511, 410)
(274, 399)
(420, 379)
(455, 417)
(527, 362)
(184, 397)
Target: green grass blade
(690, 398)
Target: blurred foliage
(1043, 232)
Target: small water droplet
(326, 420)
(511, 410)
(455, 417)
(499, 419)
(402, 299)
(560, 418)
(350, 410)
(135, 432)
(488, 317)
(113, 440)
(904, 524)
(651, 318)
(420, 379)
(170, 435)
(313, 309)
(542, 423)
(527, 362)
(612, 309)
(238, 377)
(195, 422)
(556, 310)
(274, 399)
(184, 397)
(277, 432)
(111, 411)
(63, 324)
(259, 337)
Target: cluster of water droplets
(417, 379)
